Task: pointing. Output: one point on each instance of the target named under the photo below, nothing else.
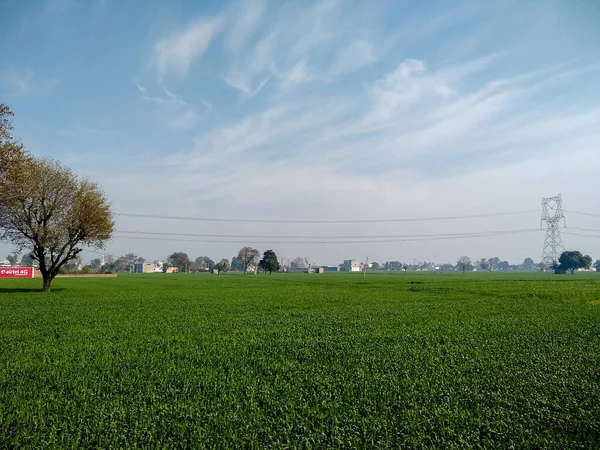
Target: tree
(504, 266)
(13, 157)
(269, 262)
(223, 266)
(447, 267)
(13, 259)
(248, 257)
(375, 266)
(180, 260)
(44, 206)
(297, 263)
(494, 263)
(528, 265)
(393, 265)
(573, 260)
(483, 264)
(464, 264)
(131, 258)
(205, 263)
(75, 264)
(27, 259)
(597, 265)
(542, 266)
(96, 264)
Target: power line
(249, 236)
(433, 238)
(582, 235)
(583, 229)
(582, 213)
(240, 220)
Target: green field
(301, 361)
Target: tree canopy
(573, 260)
(223, 266)
(464, 264)
(247, 258)
(180, 260)
(205, 263)
(269, 262)
(47, 208)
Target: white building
(350, 265)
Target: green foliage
(269, 262)
(573, 260)
(223, 266)
(180, 260)
(301, 361)
(464, 264)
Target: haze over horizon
(325, 111)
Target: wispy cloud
(247, 17)
(174, 111)
(176, 52)
(19, 83)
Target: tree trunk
(47, 282)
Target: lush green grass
(309, 361)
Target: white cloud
(248, 15)
(177, 51)
(173, 111)
(357, 54)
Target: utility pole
(552, 214)
(366, 265)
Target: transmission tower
(552, 214)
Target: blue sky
(315, 110)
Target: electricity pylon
(552, 214)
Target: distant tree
(205, 263)
(27, 259)
(297, 263)
(375, 266)
(13, 259)
(131, 259)
(528, 265)
(116, 265)
(74, 264)
(405, 267)
(269, 262)
(494, 263)
(597, 265)
(96, 264)
(394, 265)
(447, 267)
(44, 206)
(223, 266)
(86, 269)
(248, 257)
(464, 264)
(542, 266)
(483, 264)
(573, 260)
(504, 266)
(166, 266)
(180, 260)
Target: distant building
(350, 265)
(145, 268)
(331, 268)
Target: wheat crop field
(301, 361)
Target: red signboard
(16, 272)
